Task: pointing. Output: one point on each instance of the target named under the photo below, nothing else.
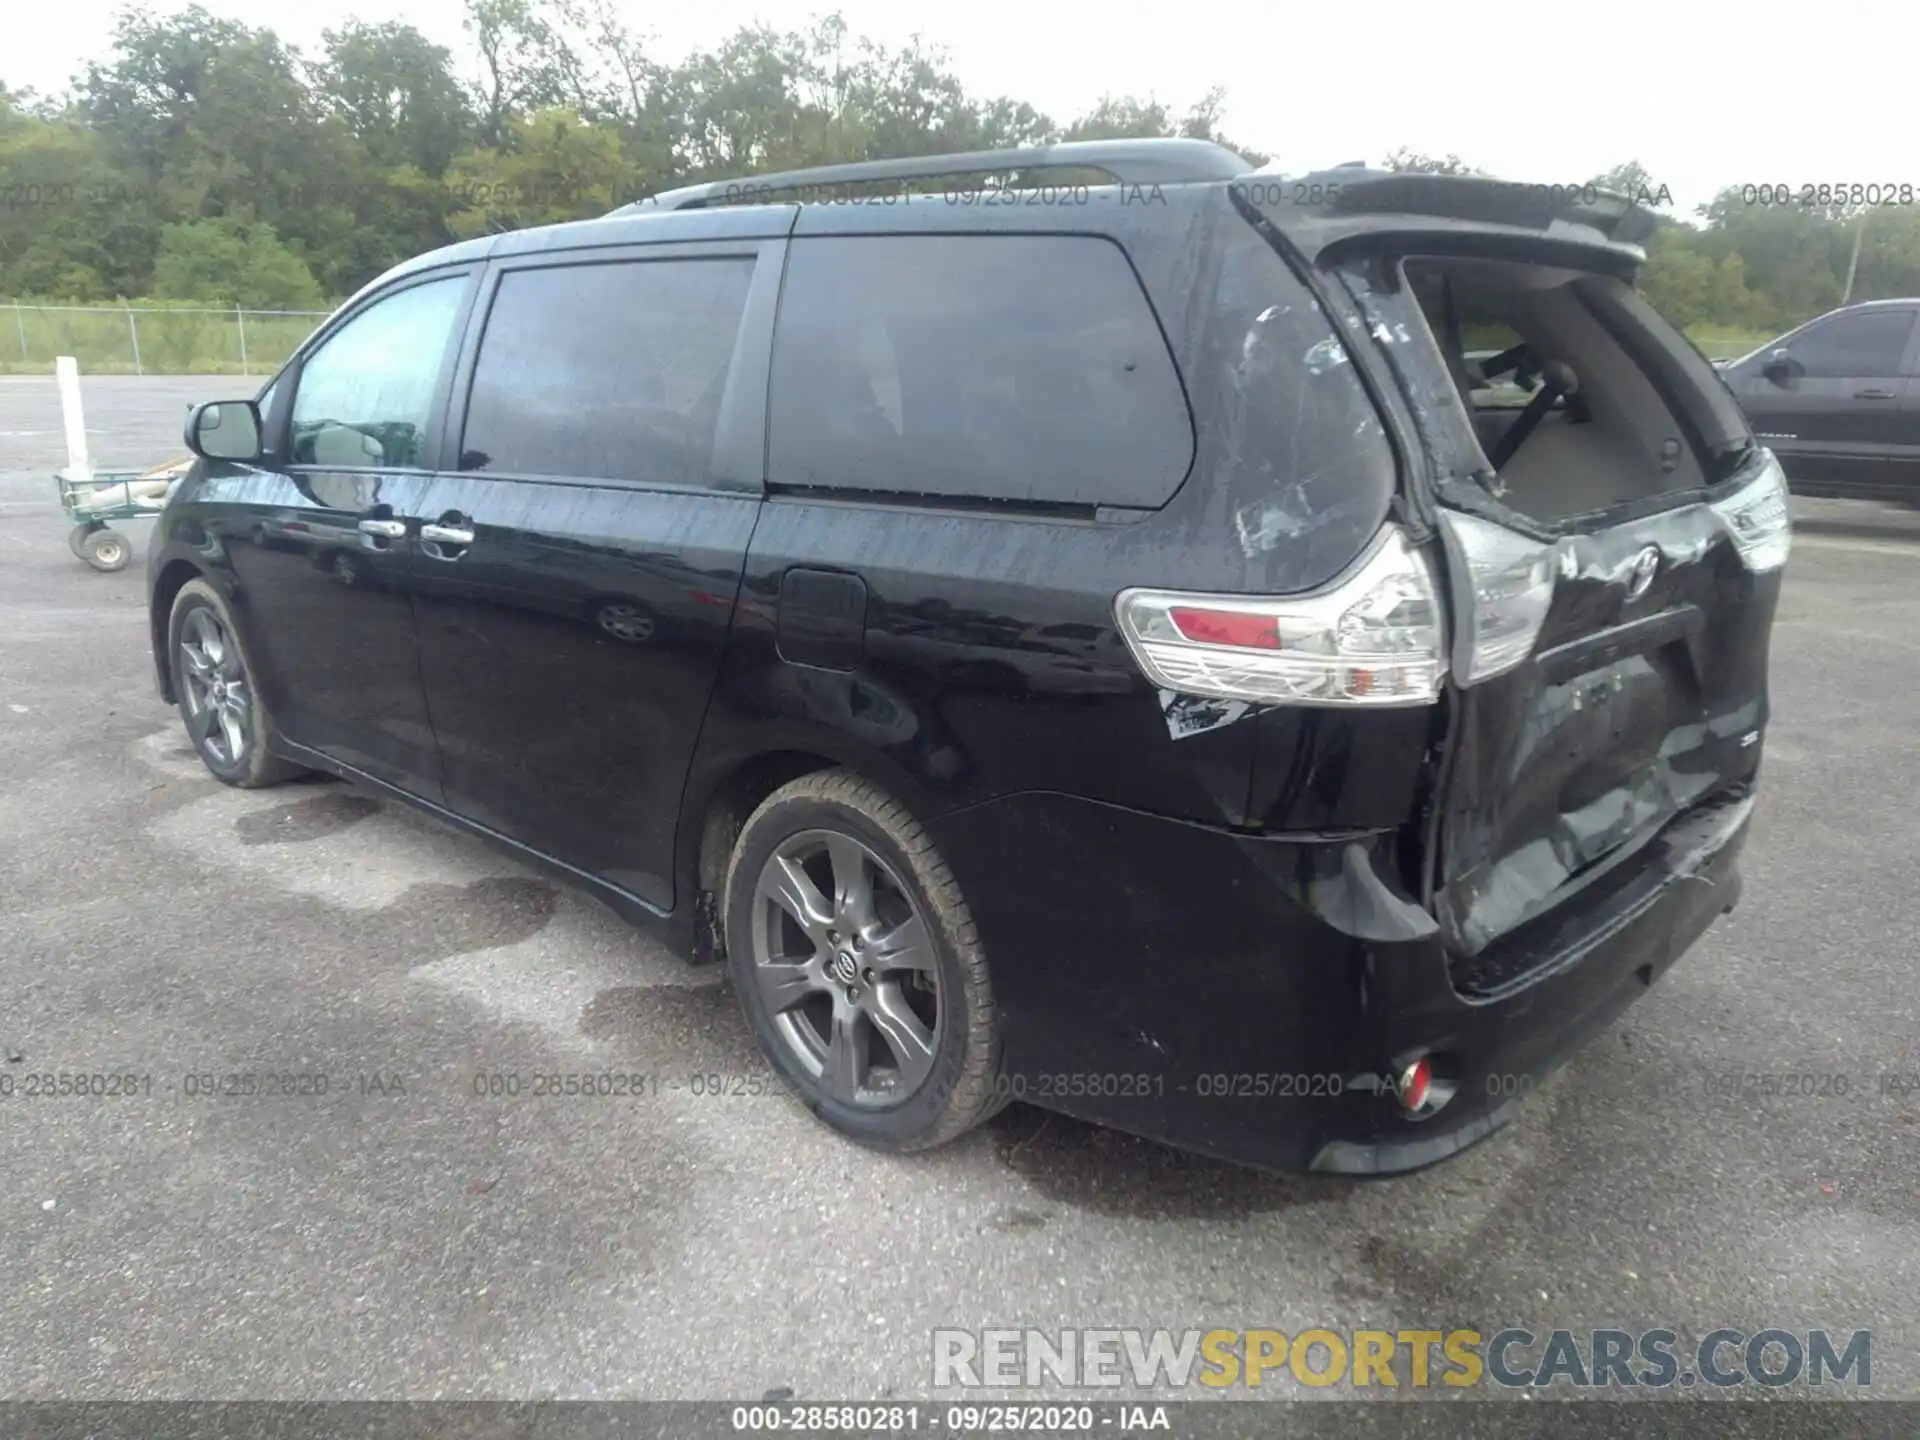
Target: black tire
(959, 1088)
(106, 550)
(77, 537)
(255, 766)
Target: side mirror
(1781, 368)
(224, 430)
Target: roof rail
(1168, 161)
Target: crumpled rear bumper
(1234, 995)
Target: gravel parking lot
(402, 1237)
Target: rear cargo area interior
(1563, 410)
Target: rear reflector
(1226, 627)
(1373, 637)
(1416, 1084)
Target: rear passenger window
(997, 367)
(606, 371)
(1867, 344)
(1294, 438)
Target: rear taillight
(1373, 637)
(1757, 517)
(1503, 587)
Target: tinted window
(610, 372)
(1869, 343)
(1010, 367)
(365, 395)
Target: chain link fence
(155, 338)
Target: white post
(67, 374)
(241, 316)
(21, 326)
(133, 329)
(1853, 264)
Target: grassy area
(171, 339)
(1721, 342)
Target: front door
(319, 539)
(579, 570)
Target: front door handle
(446, 538)
(384, 529)
(1874, 393)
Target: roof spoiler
(1500, 202)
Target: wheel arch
(167, 586)
(712, 818)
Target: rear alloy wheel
(228, 725)
(856, 962)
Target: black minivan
(1070, 625)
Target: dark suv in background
(1075, 642)
(1838, 400)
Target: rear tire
(857, 964)
(77, 536)
(106, 550)
(226, 719)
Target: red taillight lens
(1227, 627)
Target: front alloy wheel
(214, 692)
(228, 724)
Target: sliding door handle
(384, 529)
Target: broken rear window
(1297, 446)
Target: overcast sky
(1703, 95)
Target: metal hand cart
(94, 497)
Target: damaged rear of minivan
(1612, 542)
(1589, 546)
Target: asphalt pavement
(402, 1236)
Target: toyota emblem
(1644, 566)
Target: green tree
(71, 226)
(232, 263)
(397, 94)
(1424, 164)
(1794, 258)
(555, 166)
(522, 64)
(206, 154)
(1127, 117)
(213, 119)
(1729, 302)
(1889, 252)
